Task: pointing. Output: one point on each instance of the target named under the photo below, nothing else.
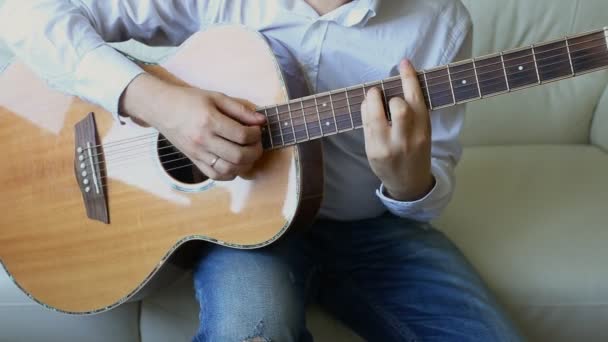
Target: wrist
(411, 193)
(142, 100)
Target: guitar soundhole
(179, 167)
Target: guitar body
(74, 264)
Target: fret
(387, 110)
(357, 95)
(305, 121)
(589, 52)
(440, 87)
(570, 57)
(350, 112)
(333, 111)
(327, 121)
(492, 77)
(286, 125)
(293, 128)
(536, 66)
(520, 69)
(476, 77)
(464, 81)
(428, 93)
(298, 122)
(341, 110)
(267, 142)
(275, 128)
(504, 69)
(554, 61)
(451, 83)
(310, 111)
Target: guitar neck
(339, 111)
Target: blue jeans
(387, 278)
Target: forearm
(145, 99)
(64, 42)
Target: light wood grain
(77, 265)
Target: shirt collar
(360, 12)
(357, 12)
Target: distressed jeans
(387, 278)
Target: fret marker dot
(464, 82)
(520, 68)
(286, 124)
(325, 105)
(327, 124)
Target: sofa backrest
(558, 113)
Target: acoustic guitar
(93, 211)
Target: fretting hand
(400, 153)
(220, 134)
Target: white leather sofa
(530, 209)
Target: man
(370, 259)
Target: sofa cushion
(599, 131)
(534, 221)
(21, 319)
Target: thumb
(239, 111)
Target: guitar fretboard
(338, 111)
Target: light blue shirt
(64, 41)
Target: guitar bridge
(89, 170)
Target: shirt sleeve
(446, 153)
(65, 41)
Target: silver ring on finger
(212, 164)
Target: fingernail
(406, 63)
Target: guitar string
(342, 119)
(118, 142)
(304, 117)
(507, 60)
(339, 118)
(395, 78)
(130, 150)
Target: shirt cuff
(424, 209)
(382, 194)
(103, 75)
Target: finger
(231, 130)
(226, 169)
(221, 169)
(206, 170)
(239, 111)
(375, 124)
(412, 93)
(402, 117)
(236, 154)
(244, 170)
(203, 160)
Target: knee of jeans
(248, 297)
(262, 332)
